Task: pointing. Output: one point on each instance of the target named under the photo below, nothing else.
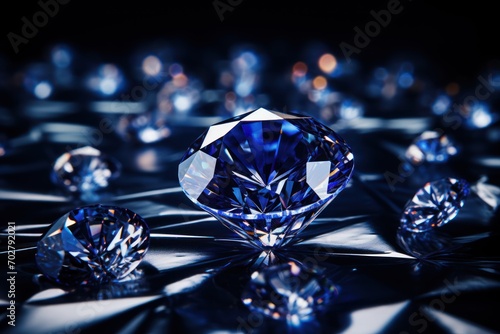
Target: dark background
(459, 37)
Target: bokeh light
(327, 63)
(151, 65)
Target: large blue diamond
(266, 175)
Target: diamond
(92, 245)
(84, 169)
(266, 175)
(488, 193)
(435, 204)
(290, 292)
(144, 128)
(479, 116)
(431, 146)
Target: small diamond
(93, 244)
(489, 193)
(144, 128)
(350, 109)
(289, 292)
(441, 104)
(479, 116)
(266, 175)
(85, 169)
(430, 146)
(434, 205)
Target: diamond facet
(431, 146)
(435, 204)
(290, 292)
(84, 169)
(93, 244)
(266, 175)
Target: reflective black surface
(193, 277)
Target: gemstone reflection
(266, 175)
(288, 291)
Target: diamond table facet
(435, 204)
(93, 244)
(266, 175)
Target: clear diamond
(85, 169)
(290, 292)
(266, 175)
(93, 244)
(435, 204)
(431, 146)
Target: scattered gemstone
(435, 204)
(479, 116)
(92, 245)
(107, 80)
(39, 80)
(245, 68)
(61, 56)
(288, 292)
(431, 146)
(179, 95)
(144, 128)
(350, 109)
(266, 175)
(441, 105)
(84, 170)
(488, 193)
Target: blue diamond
(84, 170)
(289, 292)
(435, 204)
(431, 146)
(93, 244)
(266, 175)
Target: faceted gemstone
(290, 292)
(430, 146)
(92, 245)
(435, 204)
(266, 175)
(143, 128)
(84, 169)
(488, 193)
